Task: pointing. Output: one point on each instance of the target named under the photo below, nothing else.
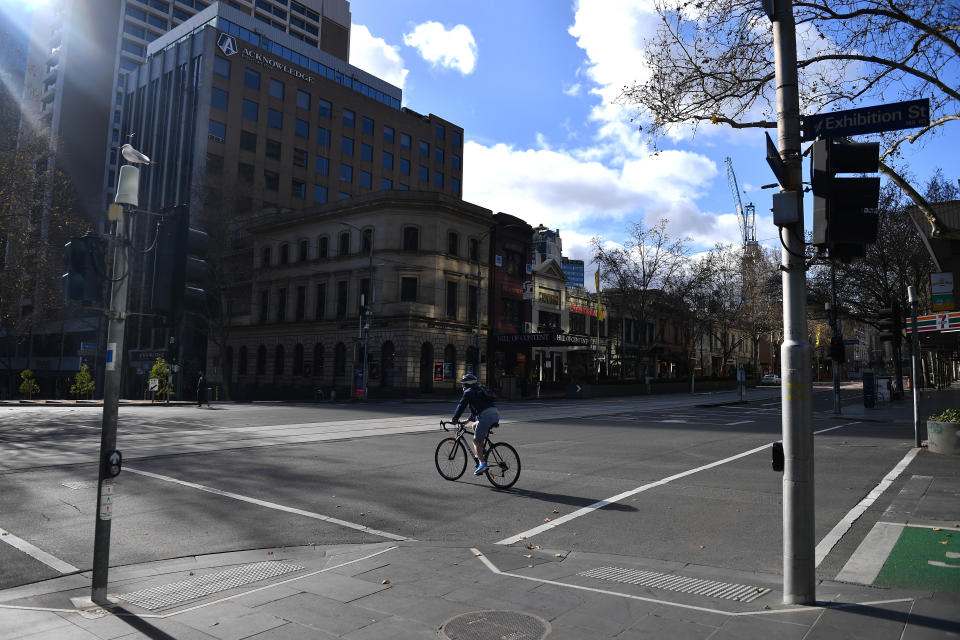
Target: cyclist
(483, 413)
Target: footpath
(903, 582)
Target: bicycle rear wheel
(451, 458)
(504, 465)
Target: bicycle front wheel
(451, 458)
(504, 465)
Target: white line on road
(730, 424)
(269, 505)
(832, 538)
(36, 553)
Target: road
(656, 477)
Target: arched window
(261, 360)
(388, 357)
(242, 361)
(278, 360)
(340, 360)
(450, 362)
(228, 364)
(318, 360)
(298, 360)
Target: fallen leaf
(546, 519)
(944, 541)
(477, 555)
(528, 555)
(556, 510)
(702, 547)
(523, 537)
(385, 582)
(190, 574)
(269, 553)
(936, 528)
(538, 547)
(530, 566)
(558, 555)
(529, 546)
(362, 513)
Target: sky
(533, 84)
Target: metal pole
(914, 358)
(835, 333)
(476, 339)
(799, 578)
(111, 403)
(366, 325)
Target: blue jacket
(472, 398)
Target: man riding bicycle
(483, 413)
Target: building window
(301, 129)
(457, 139)
(281, 304)
(455, 185)
(248, 141)
(452, 300)
(344, 248)
(453, 243)
(346, 146)
(319, 194)
(366, 239)
(274, 149)
(274, 119)
(438, 156)
(455, 162)
(284, 253)
(440, 131)
(251, 79)
(404, 166)
(411, 239)
(366, 152)
(408, 289)
(322, 245)
(323, 137)
(342, 299)
(424, 174)
(403, 187)
(320, 311)
(324, 108)
(387, 160)
(245, 172)
(366, 125)
(278, 356)
(386, 184)
(250, 110)
(424, 150)
(339, 360)
(365, 179)
(265, 257)
(438, 179)
(387, 134)
(303, 100)
(343, 195)
(346, 173)
(301, 304)
(242, 360)
(298, 189)
(472, 302)
(300, 158)
(261, 360)
(348, 118)
(218, 130)
(219, 98)
(304, 250)
(276, 89)
(474, 248)
(271, 181)
(323, 166)
(221, 66)
(405, 141)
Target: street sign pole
(799, 576)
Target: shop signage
(272, 63)
(543, 339)
(579, 308)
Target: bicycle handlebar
(444, 423)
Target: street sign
(884, 117)
(776, 163)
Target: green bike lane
(925, 558)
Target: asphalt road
(685, 483)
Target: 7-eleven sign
(935, 322)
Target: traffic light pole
(914, 357)
(835, 333)
(799, 576)
(111, 402)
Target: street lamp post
(364, 329)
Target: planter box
(943, 437)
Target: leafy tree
(28, 386)
(161, 371)
(83, 384)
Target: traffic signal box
(890, 324)
(180, 268)
(85, 273)
(840, 222)
(838, 352)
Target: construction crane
(746, 216)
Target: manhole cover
(495, 625)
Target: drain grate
(495, 625)
(168, 595)
(681, 584)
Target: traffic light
(890, 324)
(179, 268)
(85, 270)
(840, 222)
(837, 351)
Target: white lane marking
(36, 553)
(626, 494)
(811, 608)
(602, 503)
(269, 505)
(838, 531)
(865, 564)
(730, 424)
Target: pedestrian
(201, 389)
(483, 413)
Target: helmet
(468, 379)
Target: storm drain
(681, 584)
(495, 625)
(169, 595)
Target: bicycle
(451, 457)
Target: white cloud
(453, 49)
(376, 57)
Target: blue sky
(532, 82)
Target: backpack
(486, 394)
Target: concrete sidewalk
(418, 589)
